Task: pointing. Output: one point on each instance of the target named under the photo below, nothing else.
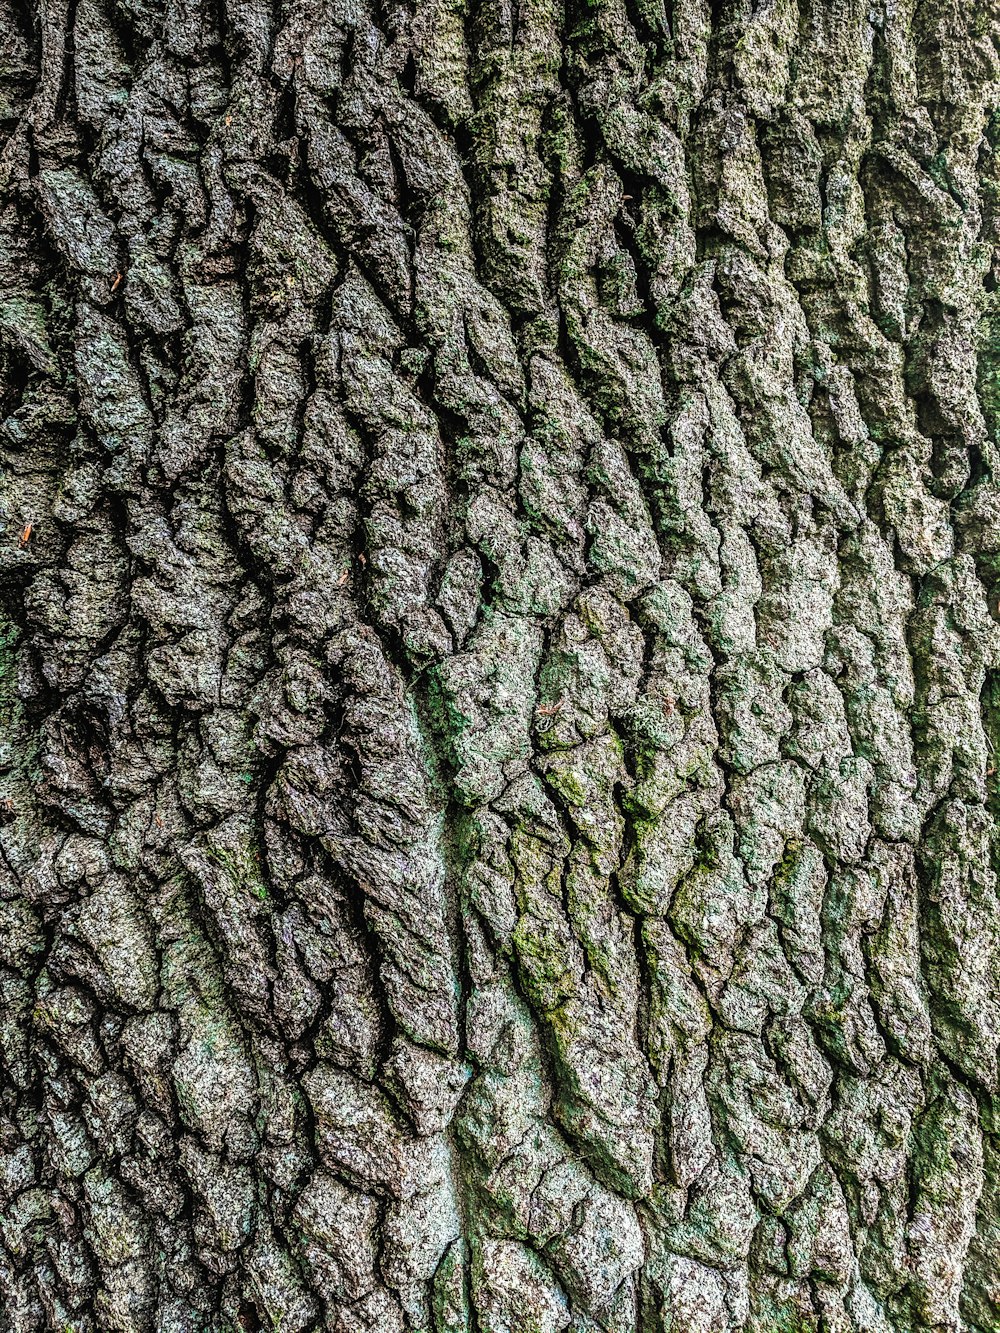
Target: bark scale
(499, 666)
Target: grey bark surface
(499, 572)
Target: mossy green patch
(9, 636)
(243, 869)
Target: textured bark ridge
(499, 666)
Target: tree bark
(499, 569)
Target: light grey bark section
(499, 696)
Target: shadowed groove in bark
(499, 696)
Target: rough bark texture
(499, 690)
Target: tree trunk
(499, 666)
